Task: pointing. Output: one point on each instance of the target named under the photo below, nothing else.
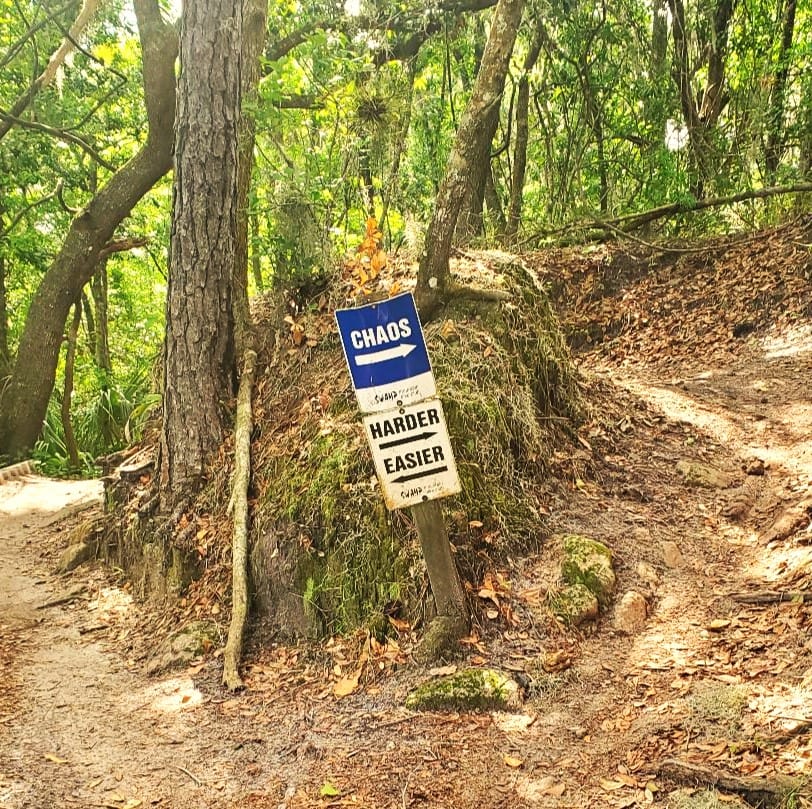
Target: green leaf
(329, 791)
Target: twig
(191, 775)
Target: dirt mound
(694, 301)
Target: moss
(589, 563)
(574, 604)
(468, 690)
(321, 527)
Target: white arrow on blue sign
(386, 353)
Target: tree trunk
(701, 119)
(256, 264)
(199, 365)
(520, 144)
(4, 349)
(67, 393)
(433, 275)
(775, 116)
(26, 399)
(98, 289)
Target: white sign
(412, 454)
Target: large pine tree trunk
(433, 276)
(25, 401)
(199, 367)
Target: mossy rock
(467, 690)
(589, 563)
(193, 640)
(703, 476)
(574, 604)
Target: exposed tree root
(758, 792)
(239, 504)
(771, 597)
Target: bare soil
(709, 680)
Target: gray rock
(184, 646)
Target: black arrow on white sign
(398, 441)
(424, 474)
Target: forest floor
(685, 373)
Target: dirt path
(708, 680)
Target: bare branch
(60, 134)
(35, 204)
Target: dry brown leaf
(512, 761)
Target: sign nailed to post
(412, 454)
(392, 377)
(386, 353)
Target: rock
(468, 690)
(193, 640)
(672, 555)
(630, 613)
(755, 467)
(574, 604)
(703, 475)
(84, 545)
(75, 555)
(589, 563)
(648, 574)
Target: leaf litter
(709, 681)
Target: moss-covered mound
(327, 555)
(467, 690)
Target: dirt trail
(83, 726)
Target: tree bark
(199, 364)
(522, 135)
(433, 278)
(775, 115)
(26, 398)
(98, 289)
(67, 393)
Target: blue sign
(386, 353)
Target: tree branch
(59, 134)
(20, 214)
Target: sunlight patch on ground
(678, 407)
(781, 562)
(796, 340)
(171, 696)
(111, 603)
(35, 495)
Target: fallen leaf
(346, 685)
(329, 791)
(443, 671)
(717, 625)
(512, 761)
(55, 759)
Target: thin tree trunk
(400, 149)
(239, 544)
(775, 115)
(256, 263)
(98, 288)
(522, 135)
(67, 393)
(433, 278)
(494, 203)
(26, 399)
(5, 359)
(253, 41)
